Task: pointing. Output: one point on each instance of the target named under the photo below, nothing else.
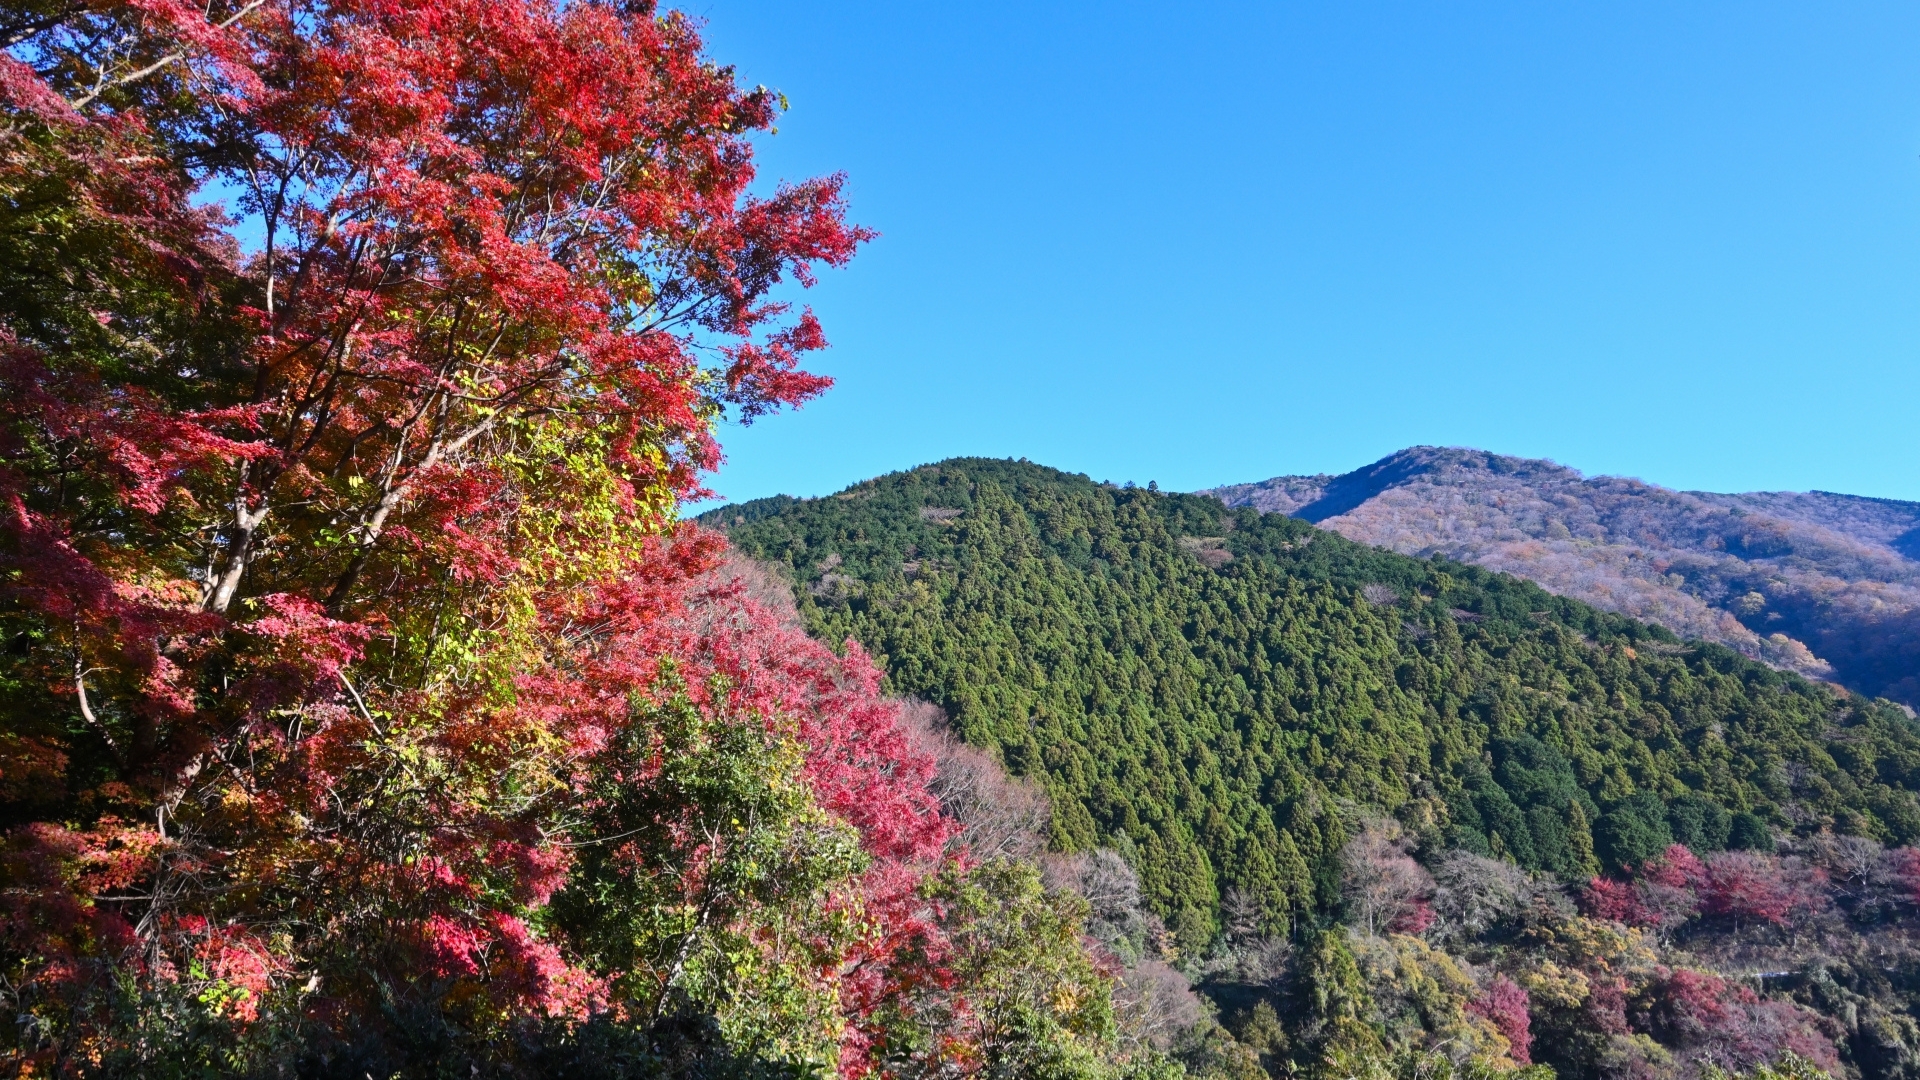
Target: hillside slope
(1823, 584)
(1264, 719)
(1199, 684)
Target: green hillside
(1204, 688)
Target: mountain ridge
(1821, 583)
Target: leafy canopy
(364, 708)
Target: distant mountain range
(1823, 584)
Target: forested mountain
(1261, 717)
(1827, 585)
(369, 709)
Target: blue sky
(1210, 243)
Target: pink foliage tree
(1661, 894)
(1726, 1025)
(1504, 1005)
(1902, 870)
(1750, 887)
(1615, 901)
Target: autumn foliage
(1504, 1004)
(359, 682)
(1735, 886)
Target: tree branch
(99, 726)
(168, 60)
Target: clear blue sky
(1210, 243)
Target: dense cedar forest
(1286, 733)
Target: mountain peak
(1318, 498)
(1824, 584)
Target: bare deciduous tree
(1155, 1005)
(761, 583)
(999, 815)
(1382, 882)
(1380, 595)
(1472, 893)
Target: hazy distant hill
(1824, 584)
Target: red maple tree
(357, 662)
